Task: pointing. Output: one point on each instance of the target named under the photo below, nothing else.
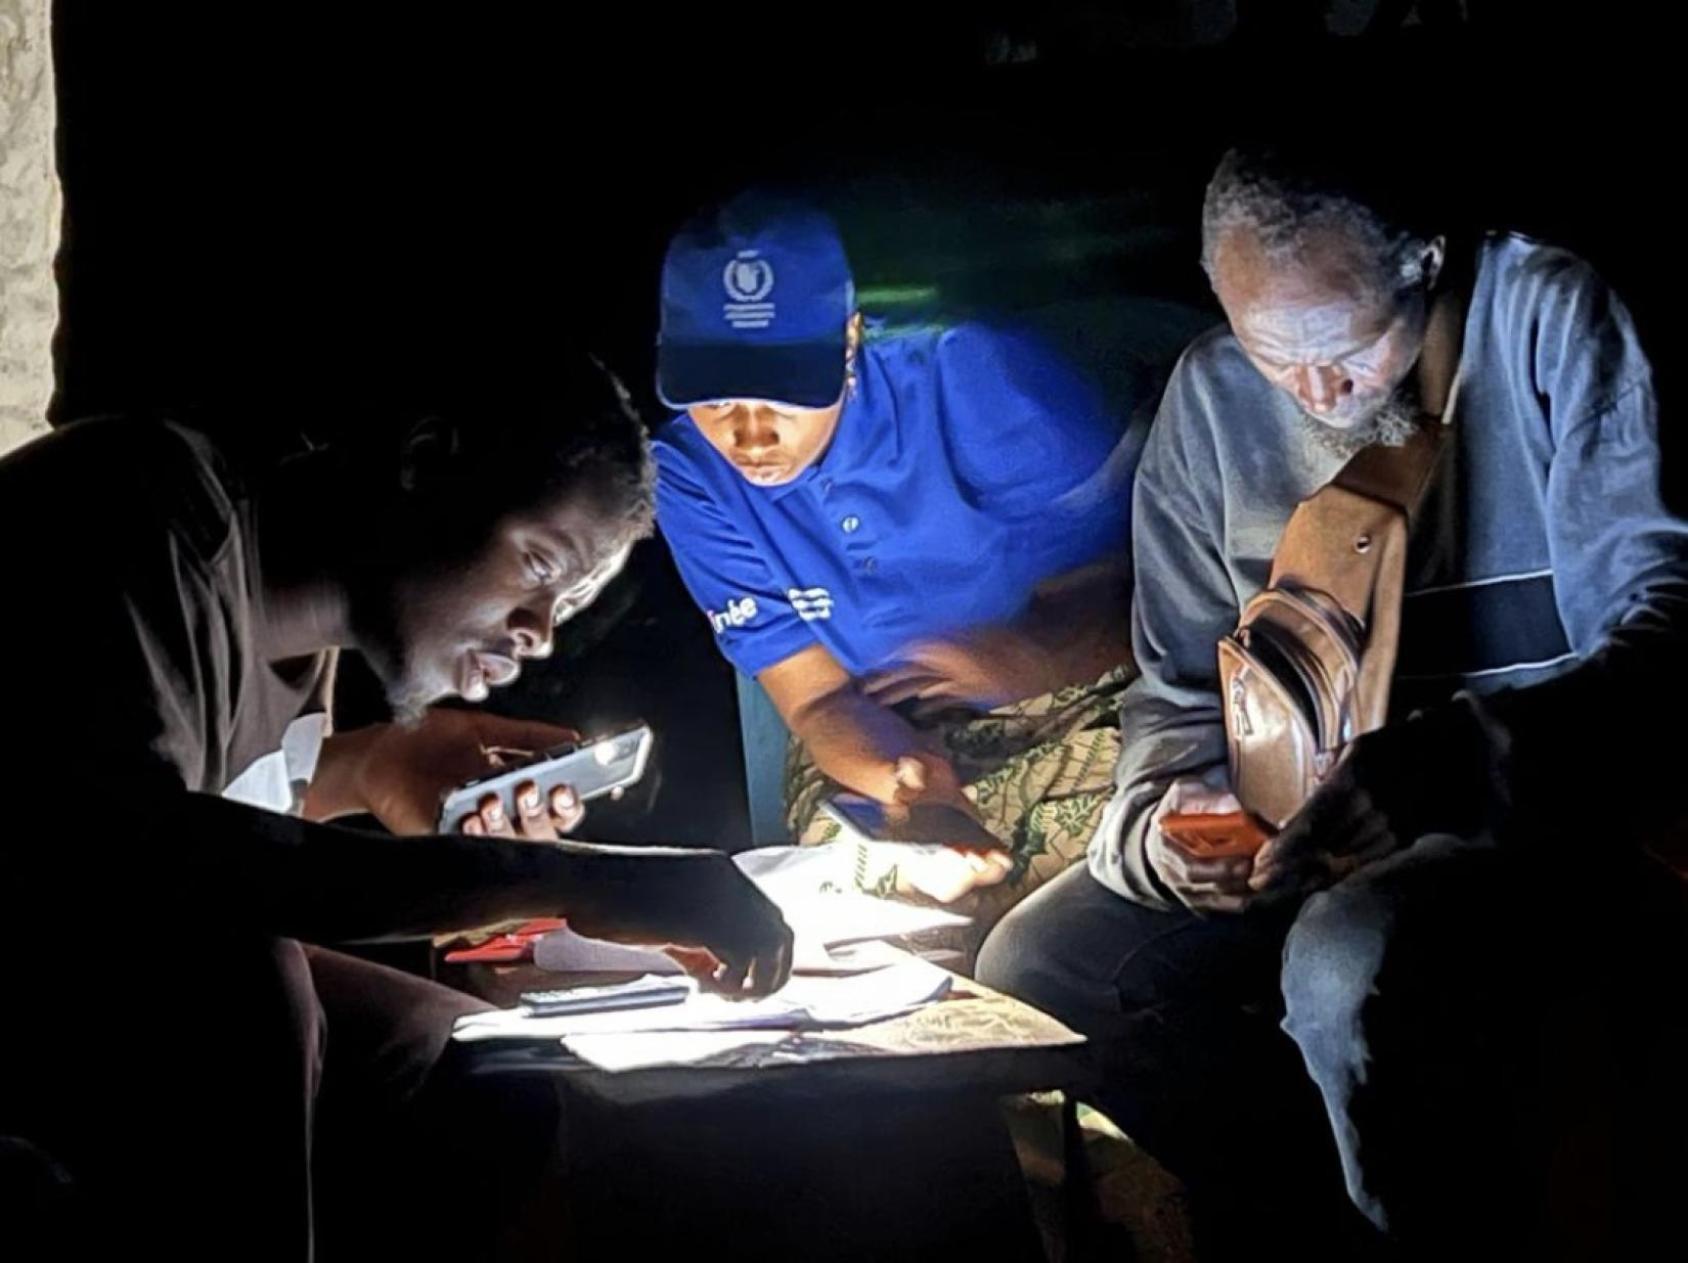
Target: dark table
(854, 1157)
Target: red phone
(1215, 836)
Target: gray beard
(1391, 425)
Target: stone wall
(29, 220)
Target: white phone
(591, 768)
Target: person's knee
(1333, 956)
(1012, 957)
(1056, 951)
(389, 1029)
(1376, 947)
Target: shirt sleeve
(119, 582)
(1619, 553)
(1171, 724)
(105, 812)
(1620, 559)
(1033, 442)
(753, 620)
(119, 649)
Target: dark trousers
(1470, 1047)
(257, 1100)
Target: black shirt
(135, 694)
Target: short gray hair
(1282, 200)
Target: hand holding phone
(1217, 836)
(932, 824)
(577, 773)
(935, 849)
(1201, 844)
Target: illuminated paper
(808, 1001)
(812, 888)
(972, 1018)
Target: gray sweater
(1544, 549)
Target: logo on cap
(749, 279)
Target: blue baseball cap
(755, 297)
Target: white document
(854, 918)
(565, 952)
(814, 888)
(831, 866)
(809, 1001)
(642, 1049)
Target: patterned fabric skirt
(1040, 772)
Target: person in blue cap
(896, 536)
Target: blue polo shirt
(970, 465)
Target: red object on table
(516, 945)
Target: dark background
(286, 222)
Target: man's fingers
(938, 873)
(1337, 820)
(730, 980)
(905, 688)
(1207, 883)
(698, 962)
(521, 734)
(1319, 819)
(533, 817)
(1215, 901)
(902, 798)
(1312, 827)
(989, 867)
(1279, 851)
(1279, 864)
(471, 824)
(910, 777)
(567, 811)
(876, 683)
(494, 819)
(1291, 882)
(1308, 869)
(1369, 847)
(936, 703)
(538, 817)
(1228, 871)
(769, 971)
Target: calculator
(644, 993)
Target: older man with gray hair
(1461, 922)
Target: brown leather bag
(1309, 666)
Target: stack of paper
(813, 888)
(803, 1002)
(640, 1050)
(845, 974)
(564, 951)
